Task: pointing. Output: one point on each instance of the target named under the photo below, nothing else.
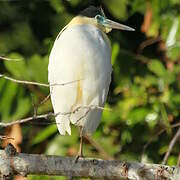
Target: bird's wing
(64, 67)
(78, 57)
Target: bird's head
(96, 16)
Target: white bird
(81, 54)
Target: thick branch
(27, 164)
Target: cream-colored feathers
(81, 53)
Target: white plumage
(81, 52)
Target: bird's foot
(78, 156)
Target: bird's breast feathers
(82, 54)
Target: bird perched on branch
(81, 55)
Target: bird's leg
(81, 144)
(80, 153)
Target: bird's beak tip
(116, 25)
(132, 29)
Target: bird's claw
(77, 157)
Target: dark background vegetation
(144, 93)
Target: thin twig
(95, 107)
(45, 99)
(158, 134)
(20, 121)
(91, 107)
(22, 81)
(35, 83)
(83, 116)
(171, 145)
(66, 83)
(50, 114)
(146, 43)
(9, 59)
(34, 106)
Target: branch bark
(26, 164)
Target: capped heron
(81, 54)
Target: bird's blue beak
(107, 23)
(114, 25)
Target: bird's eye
(99, 18)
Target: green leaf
(44, 134)
(16, 68)
(38, 68)
(13, 103)
(115, 52)
(172, 160)
(23, 106)
(6, 102)
(126, 137)
(60, 144)
(56, 5)
(118, 13)
(75, 2)
(107, 142)
(137, 115)
(157, 67)
(176, 99)
(138, 6)
(165, 118)
(174, 52)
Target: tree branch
(23, 82)
(20, 121)
(8, 59)
(51, 114)
(171, 145)
(36, 83)
(158, 134)
(146, 43)
(25, 164)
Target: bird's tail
(63, 124)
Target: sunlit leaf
(118, 13)
(157, 67)
(17, 68)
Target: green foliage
(144, 93)
(44, 134)
(157, 68)
(112, 7)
